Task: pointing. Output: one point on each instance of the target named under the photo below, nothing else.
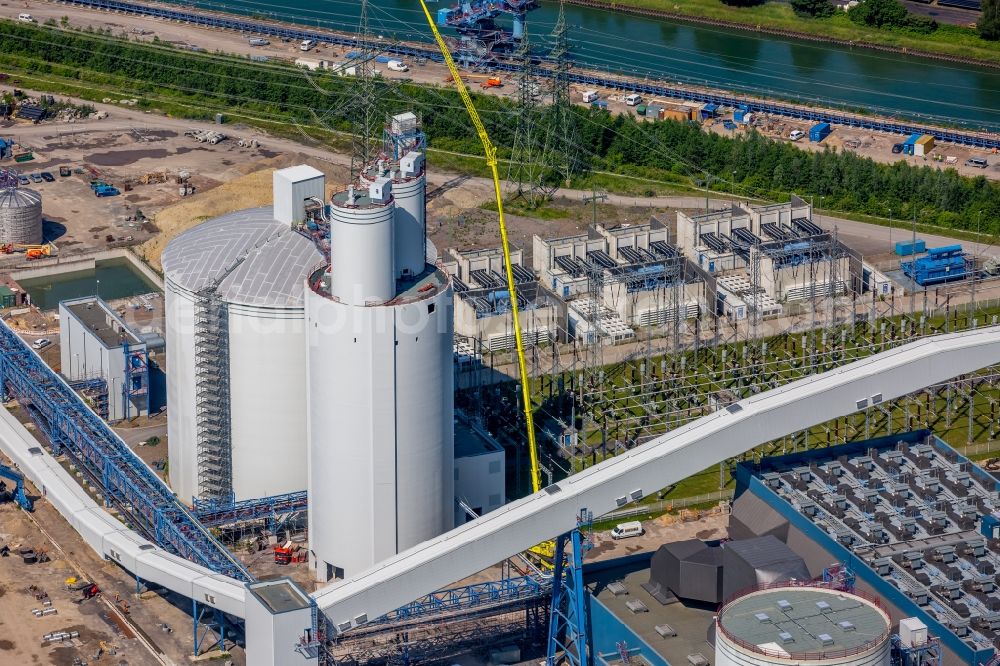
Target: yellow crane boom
(491, 160)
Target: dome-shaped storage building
(236, 384)
(802, 625)
(20, 216)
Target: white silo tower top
(803, 624)
(262, 262)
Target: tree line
(751, 165)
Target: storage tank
(403, 162)
(794, 624)
(381, 403)
(20, 216)
(235, 327)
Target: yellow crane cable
(491, 160)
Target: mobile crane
(544, 552)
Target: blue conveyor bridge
(76, 431)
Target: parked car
(897, 148)
(23, 180)
(977, 162)
(35, 178)
(796, 135)
(633, 100)
(25, 18)
(630, 529)
(41, 343)
(49, 178)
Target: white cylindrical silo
(361, 241)
(409, 188)
(241, 430)
(381, 405)
(798, 625)
(20, 216)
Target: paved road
(868, 239)
(949, 15)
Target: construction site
(359, 411)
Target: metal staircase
(213, 432)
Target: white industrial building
(480, 471)
(483, 305)
(765, 256)
(96, 343)
(379, 375)
(236, 349)
(294, 189)
(616, 279)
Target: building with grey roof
(235, 330)
(96, 344)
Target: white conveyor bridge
(278, 615)
(654, 465)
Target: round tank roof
(260, 261)
(806, 623)
(18, 197)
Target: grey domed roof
(259, 260)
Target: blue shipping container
(819, 132)
(738, 115)
(906, 248)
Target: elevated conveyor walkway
(658, 463)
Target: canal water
(114, 278)
(886, 83)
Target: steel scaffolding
(95, 389)
(217, 513)
(569, 634)
(211, 344)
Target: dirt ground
(76, 220)
(134, 630)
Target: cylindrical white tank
(20, 216)
(381, 406)
(409, 191)
(255, 268)
(361, 240)
(800, 625)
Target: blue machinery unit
(942, 264)
(476, 20)
(126, 481)
(276, 30)
(19, 495)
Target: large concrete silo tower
(380, 398)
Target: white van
(397, 66)
(626, 530)
(25, 18)
(633, 100)
(307, 45)
(589, 96)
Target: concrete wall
(479, 482)
(58, 265)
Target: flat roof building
(97, 344)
